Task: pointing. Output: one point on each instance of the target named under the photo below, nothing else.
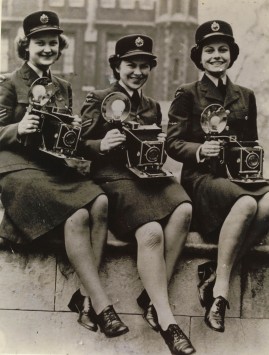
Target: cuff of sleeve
(199, 160)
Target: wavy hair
(22, 43)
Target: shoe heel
(76, 299)
(200, 298)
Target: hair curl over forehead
(114, 62)
(22, 43)
(196, 51)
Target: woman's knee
(99, 208)
(247, 206)
(183, 213)
(150, 235)
(78, 219)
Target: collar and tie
(135, 100)
(221, 88)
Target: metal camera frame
(144, 152)
(243, 160)
(55, 135)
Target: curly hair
(22, 43)
(114, 62)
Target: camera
(242, 160)
(144, 152)
(55, 134)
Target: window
(176, 70)
(193, 9)
(110, 48)
(108, 3)
(178, 7)
(147, 4)
(4, 54)
(56, 3)
(68, 56)
(127, 4)
(163, 7)
(76, 3)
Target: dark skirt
(36, 201)
(133, 203)
(213, 198)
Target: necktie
(135, 100)
(222, 88)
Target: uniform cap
(41, 21)
(212, 29)
(132, 45)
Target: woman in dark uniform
(40, 193)
(154, 212)
(237, 213)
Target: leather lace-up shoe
(82, 305)
(110, 323)
(177, 341)
(150, 314)
(214, 316)
(207, 277)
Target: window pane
(127, 4)
(76, 3)
(108, 3)
(58, 3)
(4, 54)
(147, 4)
(68, 56)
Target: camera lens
(69, 138)
(153, 154)
(252, 160)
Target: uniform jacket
(110, 166)
(185, 134)
(14, 90)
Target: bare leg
(152, 270)
(259, 227)
(98, 234)
(175, 235)
(232, 236)
(98, 218)
(81, 256)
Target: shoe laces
(86, 305)
(110, 315)
(219, 306)
(177, 333)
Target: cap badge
(44, 19)
(215, 26)
(139, 42)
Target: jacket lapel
(232, 93)
(209, 90)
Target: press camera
(144, 152)
(243, 161)
(55, 134)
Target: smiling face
(43, 49)
(134, 72)
(216, 58)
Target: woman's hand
(210, 149)
(76, 121)
(28, 124)
(162, 137)
(111, 140)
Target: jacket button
(246, 118)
